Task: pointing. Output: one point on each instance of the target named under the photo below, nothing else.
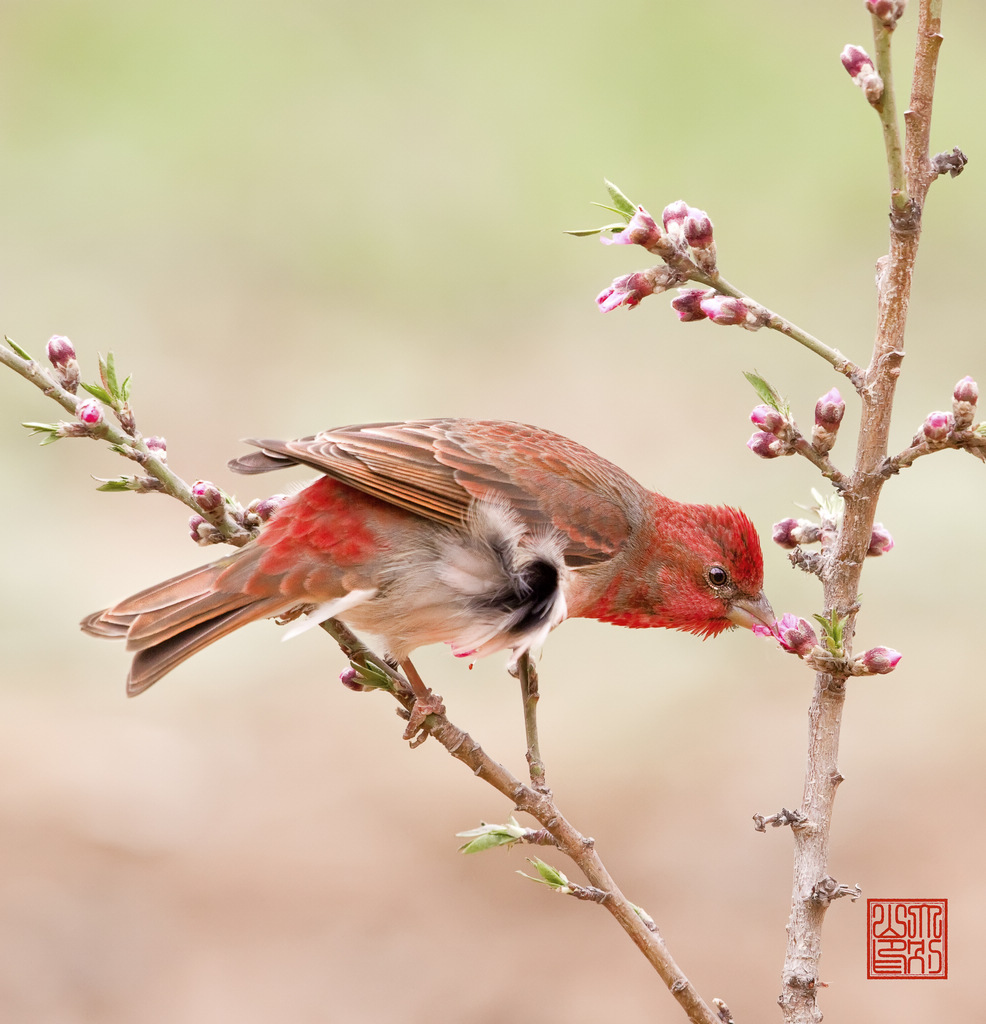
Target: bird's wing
(436, 468)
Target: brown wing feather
(436, 468)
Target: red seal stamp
(906, 939)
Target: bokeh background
(286, 217)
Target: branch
(229, 519)
(822, 777)
(376, 673)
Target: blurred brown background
(282, 219)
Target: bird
(480, 534)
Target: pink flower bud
(789, 533)
(697, 229)
(196, 524)
(725, 310)
(90, 412)
(938, 426)
(350, 679)
(795, 635)
(768, 419)
(967, 390)
(60, 351)
(888, 11)
(783, 533)
(829, 410)
(674, 218)
(879, 660)
(688, 303)
(264, 508)
(642, 230)
(158, 447)
(208, 495)
(766, 445)
(861, 70)
(964, 399)
(631, 288)
(881, 542)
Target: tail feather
(152, 662)
(169, 622)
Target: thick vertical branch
(822, 777)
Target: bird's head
(714, 572)
(698, 568)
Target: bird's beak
(748, 612)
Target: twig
(129, 444)
(886, 107)
(527, 673)
(782, 325)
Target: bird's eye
(718, 576)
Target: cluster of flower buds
(965, 397)
(889, 12)
(684, 241)
(690, 229)
(829, 410)
(937, 426)
(793, 634)
(629, 289)
(877, 661)
(881, 541)
(61, 355)
(771, 439)
(861, 70)
(90, 412)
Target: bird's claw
(429, 704)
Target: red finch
(480, 534)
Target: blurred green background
(284, 219)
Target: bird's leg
(528, 676)
(425, 703)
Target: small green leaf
(486, 837)
(766, 392)
(97, 392)
(549, 876)
(621, 203)
(583, 232)
(370, 675)
(13, 344)
(50, 430)
(120, 483)
(833, 629)
(107, 372)
(125, 388)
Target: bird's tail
(169, 622)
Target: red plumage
(480, 534)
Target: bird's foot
(425, 705)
